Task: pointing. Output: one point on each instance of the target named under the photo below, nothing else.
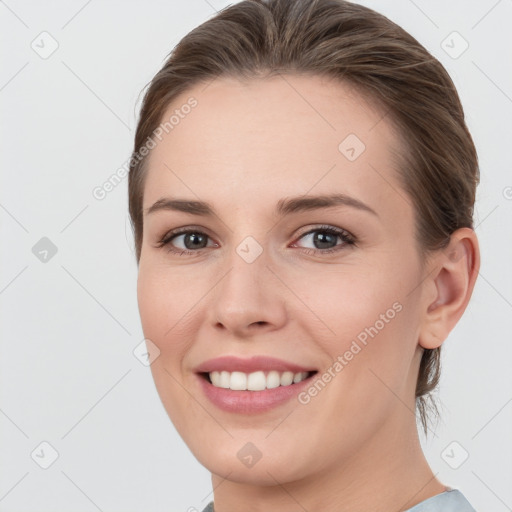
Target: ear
(449, 286)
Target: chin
(240, 461)
(263, 473)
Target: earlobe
(452, 281)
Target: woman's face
(269, 285)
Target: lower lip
(251, 402)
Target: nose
(249, 299)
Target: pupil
(322, 238)
(194, 237)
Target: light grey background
(69, 324)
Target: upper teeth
(255, 381)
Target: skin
(245, 146)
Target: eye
(324, 239)
(191, 241)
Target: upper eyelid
(202, 230)
(325, 227)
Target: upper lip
(253, 364)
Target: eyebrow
(284, 206)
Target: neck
(389, 472)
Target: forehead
(268, 138)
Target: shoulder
(451, 500)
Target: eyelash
(347, 238)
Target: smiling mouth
(255, 381)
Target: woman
(301, 193)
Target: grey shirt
(451, 500)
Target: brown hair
(352, 43)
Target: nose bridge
(246, 294)
(248, 272)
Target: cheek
(348, 302)
(165, 298)
(366, 315)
